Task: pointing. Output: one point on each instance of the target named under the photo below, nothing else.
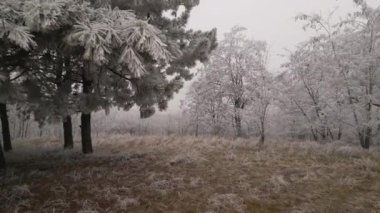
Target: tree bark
(86, 133)
(238, 105)
(366, 138)
(68, 133)
(313, 132)
(340, 133)
(238, 125)
(21, 128)
(367, 132)
(86, 115)
(262, 131)
(26, 129)
(197, 129)
(5, 127)
(2, 158)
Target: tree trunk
(14, 130)
(21, 128)
(86, 116)
(2, 158)
(86, 133)
(262, 131)
(5, 127)
(366, 138)
(238, 126)
(237, 122)
(197, 128)
(330, 133)
(68, 133)
(340, 134)
(313, 132)
(26, 129)
(262, 138)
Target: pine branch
(118, 74)
(19, 76)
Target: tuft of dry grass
(186, 174)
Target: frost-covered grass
(185, 174)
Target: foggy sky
(269, 20)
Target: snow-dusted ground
(184, 174)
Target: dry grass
(184, 174)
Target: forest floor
(184, 174)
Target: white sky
(269, 20)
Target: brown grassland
(185, 174)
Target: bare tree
(229, 82)
(337, 72)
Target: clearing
(185, 174)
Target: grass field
(184, 174)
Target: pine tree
(41, 30)
(156, 89)
(15, 41)
(121, 59)
(114, 40)
(114, 45)
(57, 101)
(153, 87)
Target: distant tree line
(329, 91)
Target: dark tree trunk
(197, 128)
(366, 138)
(5, 127)
(340, 134)
(86, 133)
(68, 133)
(86, 116)
(313, 132)
(2, 158)
(238, 130)
(262, 131)
(366, 135)
(323, 133)
(330, 133)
